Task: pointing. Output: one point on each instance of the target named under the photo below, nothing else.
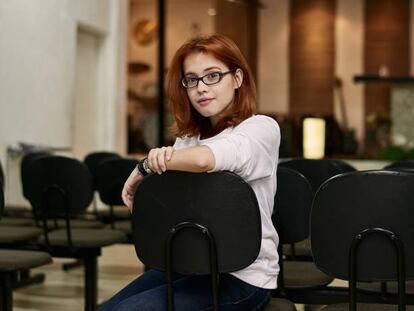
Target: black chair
(316, 172)
(403, 164)
(215, 215)
(28, 179)
(297, 280)
(93, 161)
(14, 215)
(110, 179)
(13, 262)
(362, 231)
(62, 189)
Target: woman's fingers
(158, 158)
(152, 160)
(161, 159)
(169, 152)
(130, 186)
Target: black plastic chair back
(222, 202)
(293, 202)
(403, 164)
(348, 204)
(59, 186)
(94, 159)
(25, 164)
(110, 178)
(2, 184)
(1, 200)
(316, 171)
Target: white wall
(273, 57)
(37, 70)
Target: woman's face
(211, 100)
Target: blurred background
(78, 76)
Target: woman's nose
(201, 87)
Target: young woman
(212, 96)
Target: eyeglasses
(209, 79)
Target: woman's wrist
(143, 167)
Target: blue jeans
(149, 293)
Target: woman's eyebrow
(205, 70)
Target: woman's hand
(130, 187)
(158, 158)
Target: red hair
(188, 122)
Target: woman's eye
(213, 76)
(191, 80)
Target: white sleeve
(251, 150)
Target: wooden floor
(63, 290)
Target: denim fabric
(191, 293)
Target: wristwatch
(143, 167)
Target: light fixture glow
(314, 138)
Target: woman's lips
(204, 101)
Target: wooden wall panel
(312, 56)
(238, 20)
(386, 44)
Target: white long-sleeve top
(251, 150)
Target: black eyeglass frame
(221, 74)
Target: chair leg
(91, 283)
(6, 288)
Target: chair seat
(365, 307)
(303, 274)
(124, 226)
(16, 221)
(279, 304)
(120, 212)
(78, 223)
(10, 234)
(87, 238)
(11, 260)
(302, 249)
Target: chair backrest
(1, 200)
(403, 164)
(316, 171)
(94, 159)
(110, 178)
(222, 202)
(1, 177)
(59, 175)
(346, 205)
(293, 202)
(25, 175)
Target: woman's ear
(238, 78)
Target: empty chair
(110, 179)
(12, 262)
(293, 203)
(29, 178)
(93, 161)
(198, 224)
(63, 188)
(316, 172)
(16, 212)
(361, 230)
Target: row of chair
(360, 229)
(59, 190)
(285, 218)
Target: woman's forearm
(193, 159)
